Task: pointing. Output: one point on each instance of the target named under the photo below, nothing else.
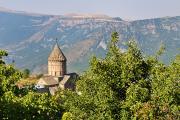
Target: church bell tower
(56, 62)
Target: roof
(47, 81)
(53, 90)
(67, 83)
(65, 79)
(43, 90)
(57, 54)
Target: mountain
(29, 37)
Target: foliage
(31, 106)
(8, 76)
(26, 73)
(27, 82)
(66, 116)
(125, 85)
(2, 54)
(39, 76)
(18, 104)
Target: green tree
(8, 75)
(26, 73)
(31, 106)
(15, 104)
(125, 85)
(2, 54)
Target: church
(57, 77)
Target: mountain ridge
(75, 15)
(29, 38)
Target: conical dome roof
(57, 54)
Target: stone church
(57, 76)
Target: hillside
(30, 37)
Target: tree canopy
(124, 85)
(18, 104)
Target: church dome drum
(57, 62)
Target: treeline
(123, 85)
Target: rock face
(29, 38)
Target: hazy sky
(126, 9)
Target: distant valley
(30, 37)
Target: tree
(125, 85)
(2, 54)
(8, 75)
(31, 106)
(15, 104)
(26, 73)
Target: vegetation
(18, 104)
(27, 82)
(26, 73)
(123, 85)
